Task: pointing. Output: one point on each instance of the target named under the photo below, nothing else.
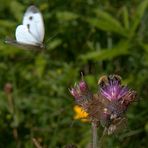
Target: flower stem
(94, 135)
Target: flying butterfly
(31, 33)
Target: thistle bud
(81, 93)
(74, 93)
(8, 88)
(83, 86)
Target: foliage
(93, 37)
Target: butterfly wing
(34, 20)
(23, 45)
(32, 31)
(23, 36)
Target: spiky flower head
(81, 93)
(118, 97)
(112, 89)
(108, 105)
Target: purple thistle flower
(119, 96)
(108, 105)
(113, 90)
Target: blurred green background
(95, 37)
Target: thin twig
(36, 143)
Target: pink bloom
(119, 96)
(80, 92)
(113, 90)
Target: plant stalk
(94, 135)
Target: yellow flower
(80, 114)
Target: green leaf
(106, 22)
(146, 127)
(40, 64)
(7, 24)
(145, 47)
(66, 16)
(16, 8)
(106, 54)
(125, 17)
(138, 16)
(54, 43)
(91, 80)
(8, 50)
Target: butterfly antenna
(50, 38)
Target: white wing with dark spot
(32, 30)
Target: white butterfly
(31, 33)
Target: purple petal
(124, 91)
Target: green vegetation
(95, 37)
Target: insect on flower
(115, 92)
(118, 97)
(108, 105)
